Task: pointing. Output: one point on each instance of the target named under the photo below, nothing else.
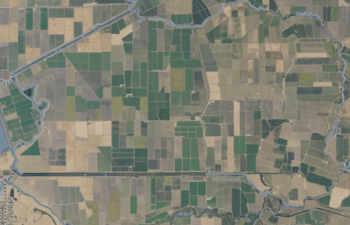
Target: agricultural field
(147, 200)
(25, 210)
(148, 123)
(92, 200)
(20, 114)
(32, 28)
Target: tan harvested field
(32, 163)
(70, 143)
(116, 39)
(13, 32)
(322, 84)
(56, 26)
(205, 220)
(11, 116)
(68, 29)
(210, 141)
(230, 154)
(127, 30)
(279, 66)
(87, 18)
(95, 42)
(27, 211)
(82, 139)
(81, 129)
(6, 161)
(343, 3)
(337, 196)
(312, 55)
(236, 117)
(64, 2)
(78, 14)
(36, 69)
(83, 206)
(4, 91)
(273, 47)
(14, 2)
(344, 110)
(178, 7)
(4, 35)
(106, 42)
(227, 11)
(83, 47)
(213, 80)
(243, 26)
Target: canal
(4, 142)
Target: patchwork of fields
(246, 93)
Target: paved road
(112, 174)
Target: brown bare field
(24, 213)
(87, 18)
(78, 14)
(337, 196)
(56, 26)
(68, 29)
(6, 161)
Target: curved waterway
(335, 128)
(5, 142)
